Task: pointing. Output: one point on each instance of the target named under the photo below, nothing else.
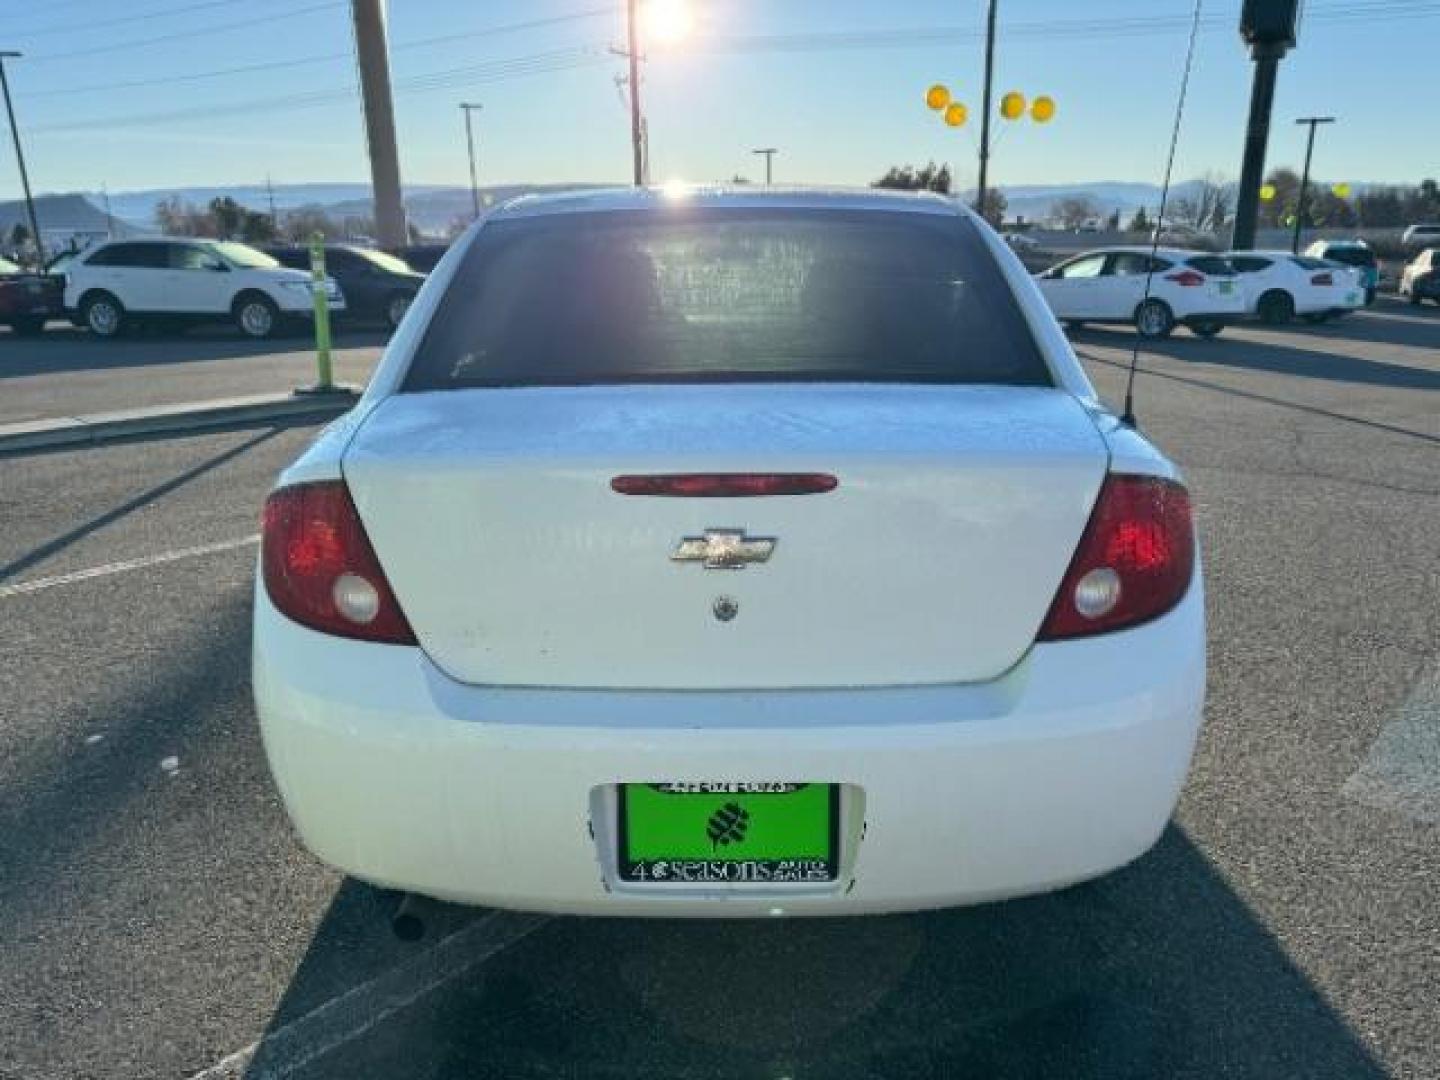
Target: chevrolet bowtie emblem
(724, 549)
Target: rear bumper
(1066, 768)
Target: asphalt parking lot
(67, 372)
(161, 920)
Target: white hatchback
(1279, 286)
(1154, 291)
(729, 554)
(187, 280)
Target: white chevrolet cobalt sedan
(729, 553)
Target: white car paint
(1312, 286)
(889, 648)
(188, 277)
(1109, 285)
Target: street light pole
(20, 159)
(985, 116)
(467, 108)
(769, 153)
(633, 34)
(1313, 122)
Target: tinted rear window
(1212, 264)
(722, 295)
(1351, 256)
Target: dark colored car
(377, 287)
(28, 301)
(423, 257)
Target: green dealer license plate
(723, 832)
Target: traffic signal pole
(1257, 135)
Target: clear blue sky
(819, 80)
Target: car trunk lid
(934, 558)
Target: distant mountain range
(61, 217)
(432, 207)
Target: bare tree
(1209, 206)
(1075, 210)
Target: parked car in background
(28, 300)
(1108, 286)
(422, 258)
(1354, 253)
(1279, 286)
(1020, 242)
(1421, 279)
(377, 287)
(1419, 237)
(766, 555)
(187, 281)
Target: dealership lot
(163, 922)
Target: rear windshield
(727, 295)
(1216, 265)
(1351, 256)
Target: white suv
(187, 279)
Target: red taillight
(320, 569)
(724, 485)
(1187, 277)
(1134, 561)
(1322, 279)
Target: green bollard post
(322, 314)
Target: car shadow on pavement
(109, 517)
(1279, 359)
(1268, 399)
(67, 350)
(1160, 970)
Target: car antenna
(1128, 416)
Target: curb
(99, 428)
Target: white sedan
(729, 553)
(1279, 286)
(1153, 290)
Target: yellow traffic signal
(1342, 190)
(937, 97)
(1012, 105)
(956, 114)
(1042, 109)
(1267, 192)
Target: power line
(585, 56)
(239, 24)
(321, 58)
(134, 16)
(470, 74)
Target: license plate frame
(650, 853)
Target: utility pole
(985, 116)
(633, 34)
(769, 153)
(20, 160)
(270, 195)
(1313, 122)
(1268, 27)
(467, 108)
(374, 61)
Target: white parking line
(280, 1053)
(122, 567)
(1402, 771)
